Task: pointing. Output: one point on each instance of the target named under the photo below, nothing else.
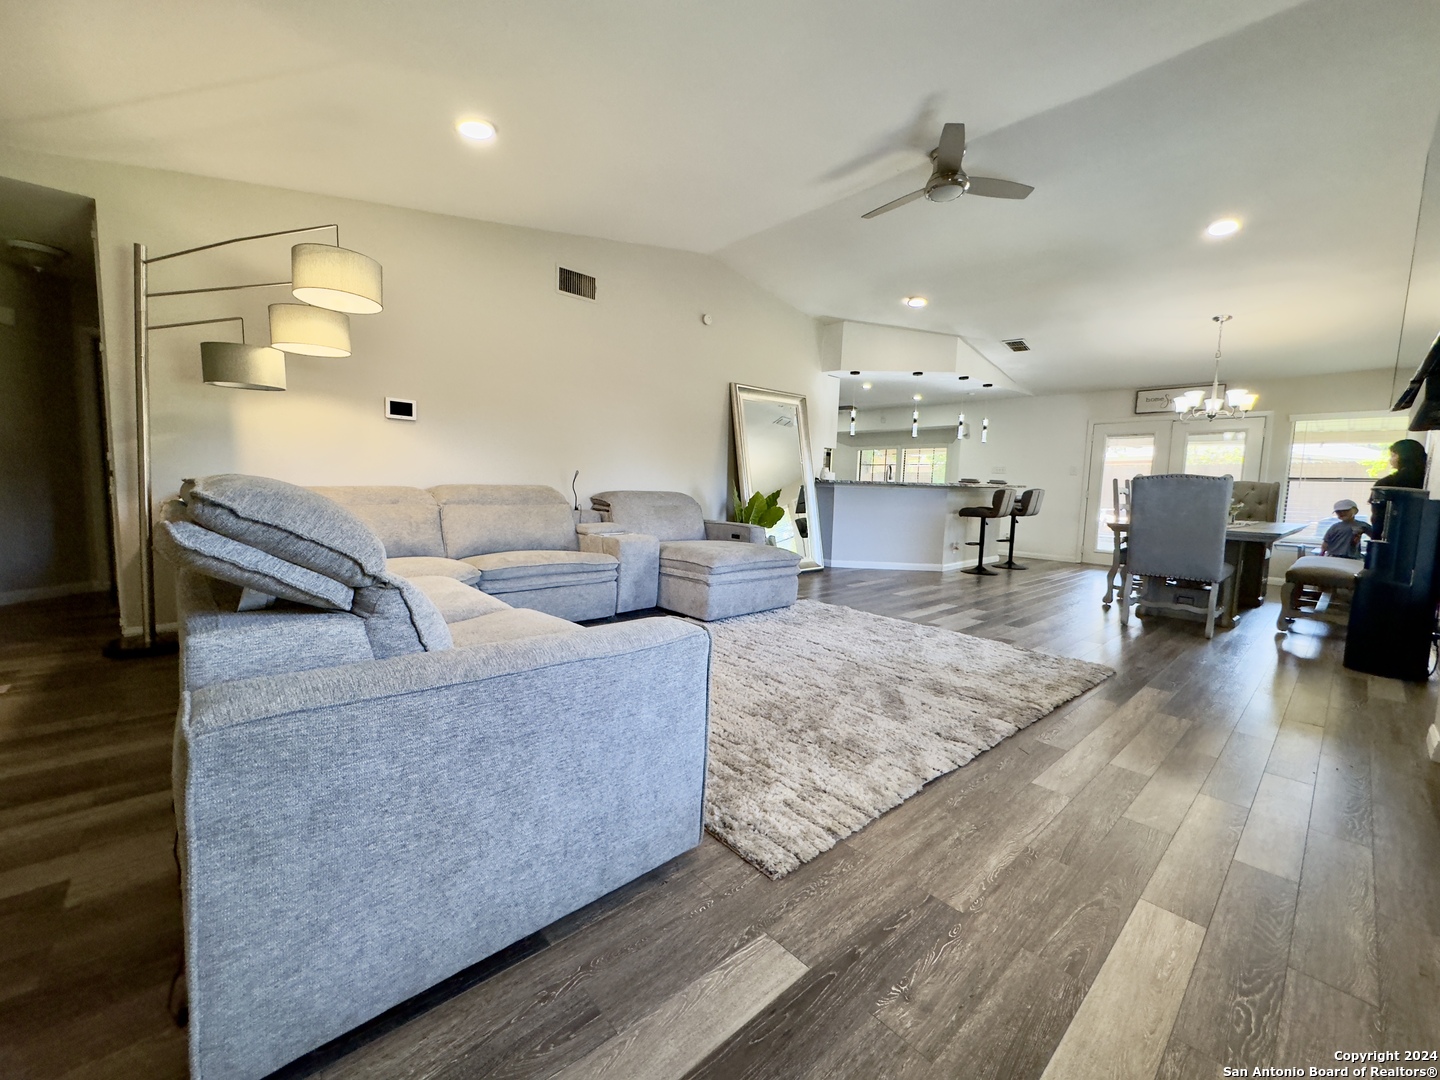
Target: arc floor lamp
(331, 282)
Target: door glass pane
(1215, 453)
(1126, 456)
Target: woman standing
(1407, 459)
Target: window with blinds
(913, 465)
(1338, 458)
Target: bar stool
(1027, 505)
(999, 507)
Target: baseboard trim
(959, 564)
(51, 592)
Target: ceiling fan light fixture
(1222, 227)
(946, 189)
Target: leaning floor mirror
(772, 453)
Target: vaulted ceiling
(760, 132)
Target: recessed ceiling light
(915, 301)
(1223, 227)
(866, 386)
(918, 397)
(917, 373)
(987, 385)
(964, 377)
(477, 130)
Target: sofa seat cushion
(715, 558)
(289, 522)
(457, 601)
(542, 569)
(1324, 571)
(418, 566)
(508, 625)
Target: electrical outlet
(998, 470)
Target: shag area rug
(824, 717)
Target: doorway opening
(56, 488)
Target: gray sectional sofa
(381, 780)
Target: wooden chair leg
(1210, 610)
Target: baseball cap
(1346, 504)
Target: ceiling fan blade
(997, 189)
(893, 203)
(950, 154)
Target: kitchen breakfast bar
(896, 526)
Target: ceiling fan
(949, 180)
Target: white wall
(1043, 441)
(515, 382)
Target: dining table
(1247, 548)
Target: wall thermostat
(399, 409)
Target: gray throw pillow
(400, 619)
(291, 523)
(188, 545)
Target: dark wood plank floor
(1228, 854)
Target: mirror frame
(739, 394)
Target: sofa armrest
(734, 530)
(638, 583)
(598, 528)
(383, 826)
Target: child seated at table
(1342, 540)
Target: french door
(1125, 449)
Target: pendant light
(960, 427)
(984, 429)
(1234, 405)
(852, 418)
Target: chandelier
(1194, 405)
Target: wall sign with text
(1163, 399)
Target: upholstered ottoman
(716, 579)
(1335, 578)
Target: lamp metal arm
(219, 288)
(243, 239)
(202, 322)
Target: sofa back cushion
(406, 519)
(400, 619)
(191, 547)
(479, 519)
(289, 522)
(665, 515)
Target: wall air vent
(1016, 345)
(576, 284)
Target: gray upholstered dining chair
(1176, 546)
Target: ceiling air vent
(576, 284)
(1016, 345)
